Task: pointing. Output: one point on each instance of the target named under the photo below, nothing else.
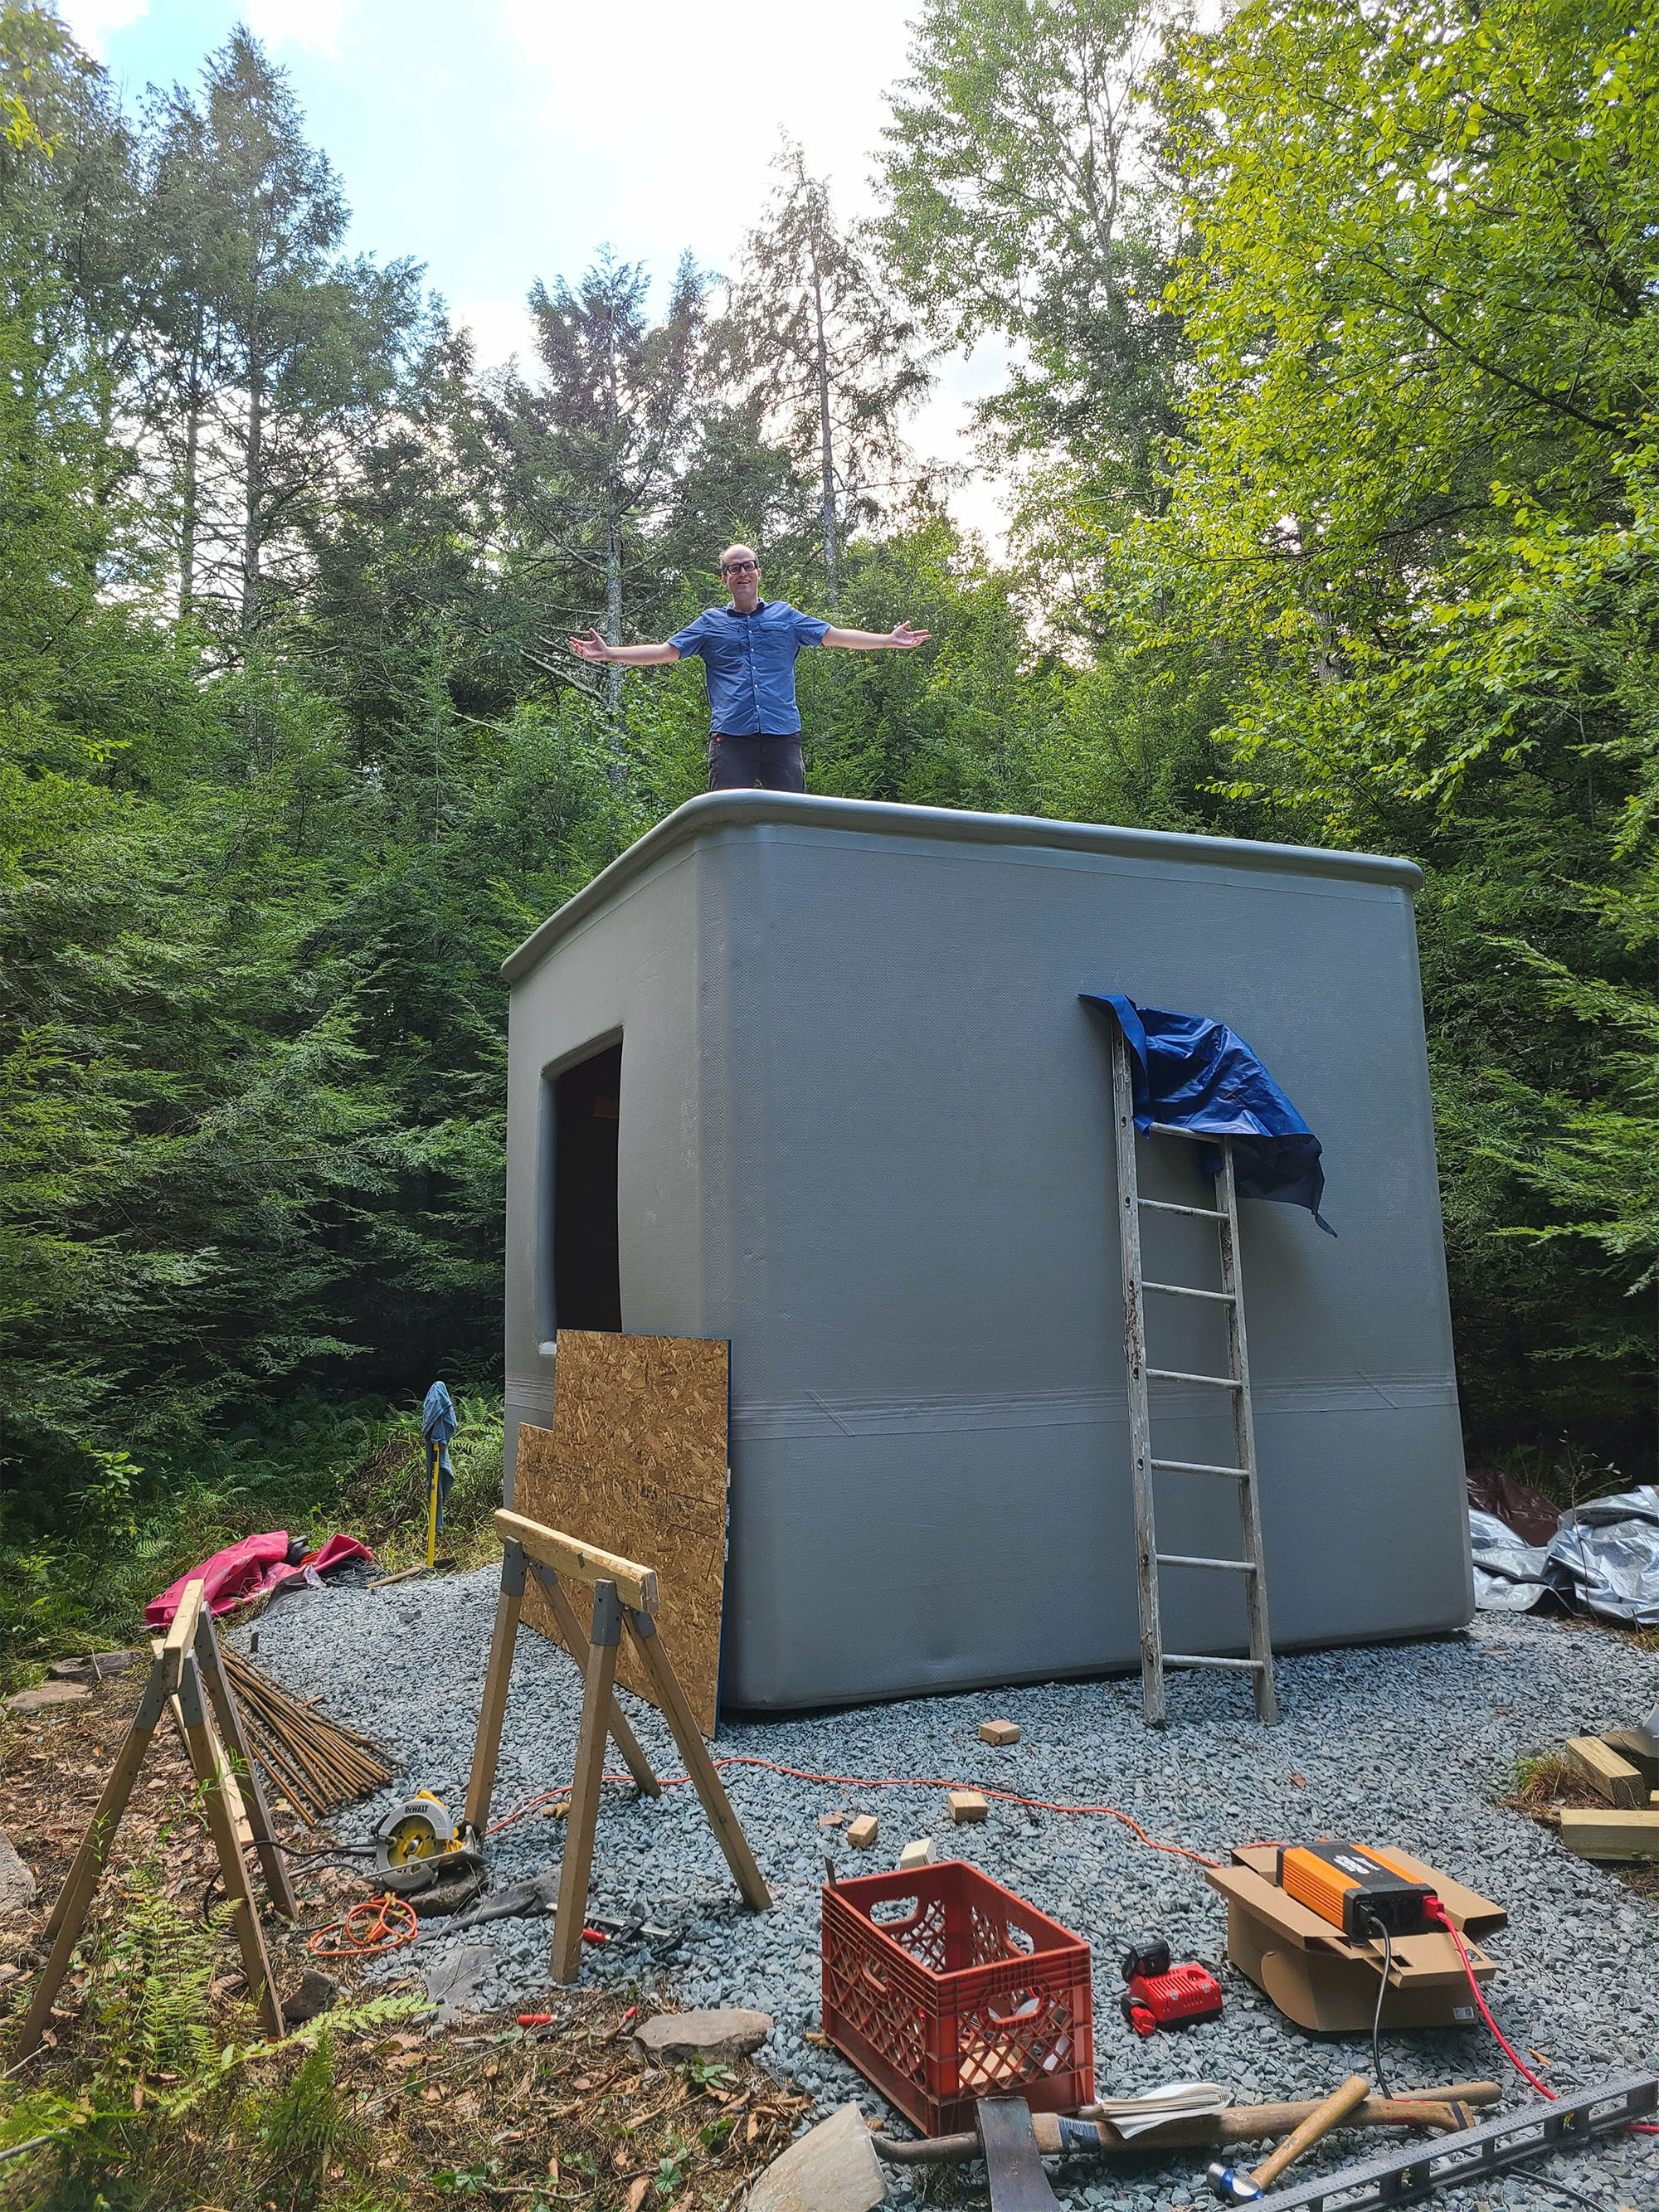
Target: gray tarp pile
(1603, 1557)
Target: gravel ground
(1402, 1744)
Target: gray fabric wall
(865, 1133)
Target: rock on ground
(1405, 1743)
(16, 1883)
(833, 2168)
(42, 1699)
(718, 2037)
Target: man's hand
(901, 639)
(593, 647)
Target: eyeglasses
(740, 568)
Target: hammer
(1236, 2188)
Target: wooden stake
(206, 1756)
(672, 1703)
(583, 1819)
(576, 1643)
(486, 1748)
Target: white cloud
(672, 115)
(314, 23)
(499, 328)
(92, 20)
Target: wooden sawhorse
(186, 1666)
(624, 1597)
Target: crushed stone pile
(1407, 1744)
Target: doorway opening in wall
(587, 1270)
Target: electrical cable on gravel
(879, 1782)
(1437, 1911)
(1560, 2188)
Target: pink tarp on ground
(244, 1570)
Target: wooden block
(1610, 1835)
(1635, 1748)
(637, 1459)
(862, 1832)
(918, 1854)
(1616, 1779)
(999, 1732)
(636, 1586)
(968, 1805)
(181, 1636)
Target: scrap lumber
(316, 1763)
(1636, 1746)
(968, 1805)
(1611, 1835)
(861, 1833)
(1614, 1777)
(1001, 1733)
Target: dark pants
(735, 763)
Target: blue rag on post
(1194, 1074)
(438, 1424)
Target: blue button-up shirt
(749, 666)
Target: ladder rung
(1194, 1659)
(1174, 1374)
(1193, 1136)
(1182, 1560)
(1182, 1291)
(1165, 1206)
(1198, 1467)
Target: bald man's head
(740, 574)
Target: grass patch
(1543, 1782)
(357, 1466)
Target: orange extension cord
(1038, 1805)
(382, 1923)
(882, 1782)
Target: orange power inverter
(1356, 1888)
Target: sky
(498, 141)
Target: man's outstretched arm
(869, 640)
(593, 647)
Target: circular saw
(418, 1843)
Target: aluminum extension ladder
(1237, 1383)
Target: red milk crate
(943, 1987)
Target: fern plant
(150, 1984)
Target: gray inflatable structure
(812, 1075)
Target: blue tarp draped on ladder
(1191, 1073)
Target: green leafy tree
(1416, 505)
(1026, 198)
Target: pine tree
(593, 455)
(275, 358)
(831, 356)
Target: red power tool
(1161, 1994)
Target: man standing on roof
(748, 652)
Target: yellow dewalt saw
(417, 1844)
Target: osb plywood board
(636, 1462)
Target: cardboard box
(1322, 1981)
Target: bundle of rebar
(315, 1763)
